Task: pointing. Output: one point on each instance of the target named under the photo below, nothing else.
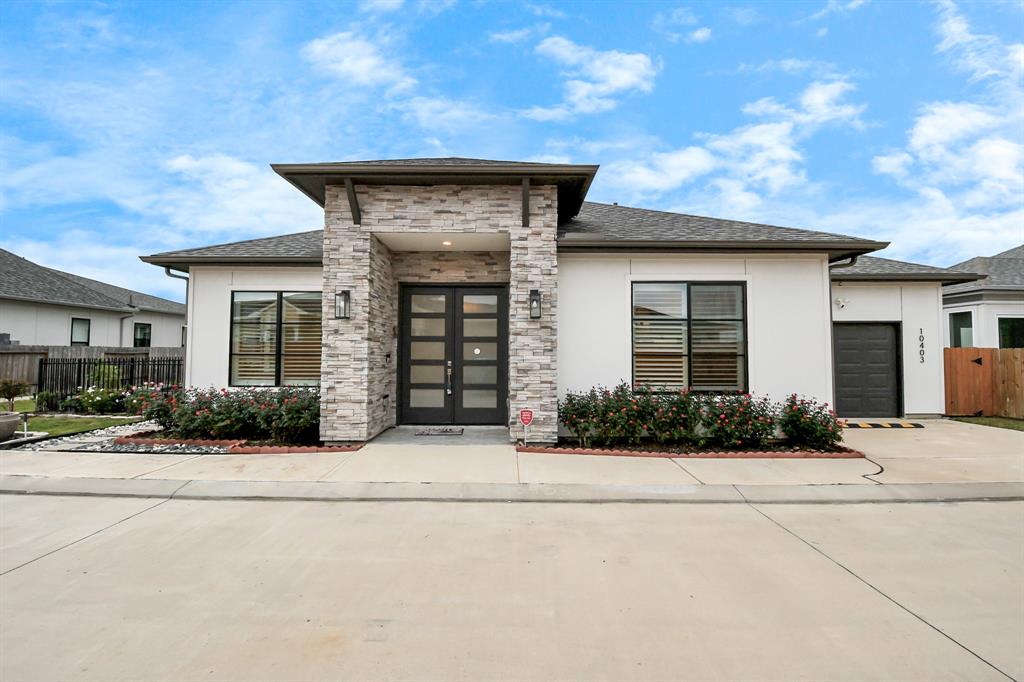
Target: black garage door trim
(849, 385)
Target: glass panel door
(426, 355)
(481, 347)
(454, 355)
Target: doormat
(441, 431)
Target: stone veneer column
(533, 344)
(357, 381)
(344, 370)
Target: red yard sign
(526, 417)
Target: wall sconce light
(534, 304)
(343, 305)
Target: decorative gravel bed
(91, 440)
(778, 453)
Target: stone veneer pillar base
(360, 354)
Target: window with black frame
(689, 335)
(275, 338)
(80, 329)
(143, 335)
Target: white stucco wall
(916, 307)
(42, 324)
(209, 313)
(985, 320)
(788, 325)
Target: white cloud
(594, 78)
(545, 11)
(444, 114)
(357, 60)
(792, 67)
(751, 162)
(701, 35)
(895, 164)
(836, 7)
(821, 32)
(380, 6)
(669, 23)
(744, 16)
(519, 35)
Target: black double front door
(454, 355)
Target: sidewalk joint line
(166, 466)
(685, 470)
(86, 537)
(878, 590)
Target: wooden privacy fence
(21, 363)
(67, 376)
(985, 382)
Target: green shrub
(95, 400)
(105, 375)
(618, 416)
(810, 424)
(47, 401)
(739, 421)
(155, 402)
(672, 417)
(285, 415)
(11, 389)
(577, 411)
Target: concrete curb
(325, 491)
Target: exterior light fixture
(446, 243)
(534, 304)
(343, 305)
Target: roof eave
(182, 263)
(906, 277)
(837, 250)
(69, 304)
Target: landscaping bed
(233, 447)
(652, 450)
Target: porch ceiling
(436, 241)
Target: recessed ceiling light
(446, 243)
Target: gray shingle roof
(23, 280)
(603, 225)
(1004, 271)
(627, 224)
(134, 299)
(885, 269)
(297, 247)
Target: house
(989, 312)
(40, 306)
(462, 291)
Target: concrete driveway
(943, 451)
(130, 589)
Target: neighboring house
(40, 306)
(460, 291)
(989, 312)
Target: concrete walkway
(944, 461)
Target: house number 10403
(920, 345)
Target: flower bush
(286, 415)
(810, 424)
(630, 415)
(739, 421)
(95, 400)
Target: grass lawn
(1000, 422)
(62, 426)
(24, 405)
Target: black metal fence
(67, 376)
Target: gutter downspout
(832, 318)
(188, 282)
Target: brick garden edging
(238, 447)
(841, 453)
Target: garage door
(867, 370)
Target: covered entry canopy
(573, 180)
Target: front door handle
(448, 383)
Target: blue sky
(127, 129)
